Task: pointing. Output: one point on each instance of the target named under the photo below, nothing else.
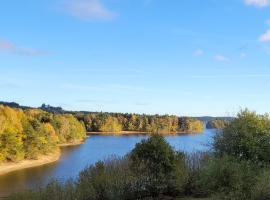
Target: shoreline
(6, 168)
(71, 144)
(132, 133)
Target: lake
(76, 158)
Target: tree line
(217, 124)
(117, 122)
(29, 133)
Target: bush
(228, 178)
(106, 180)
(158, 168)
(53, 191)
(195, 163)
(246, 138)
(261, 190)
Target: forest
(117, 122)
(29, 133)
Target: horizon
(101, 111)
(181, 58)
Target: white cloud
(258, 3)
(265, 37)
(88, 10)
(198, 52)
(9, 47)
(221, 58)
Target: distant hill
(13, 105)
(48, 108)
(209, 118)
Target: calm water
(95, 148)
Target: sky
(182, 57)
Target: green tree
(228, 178)
(158, 168)
(110, 124)
(247, 137)
(68, 128)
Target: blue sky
(184, 57)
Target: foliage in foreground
(246, 138)
(158, 168)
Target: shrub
(227, 177)
(106, 180)
(261, 190)
(246, 138)
(53, 191)
(158, 168)
(195, 163)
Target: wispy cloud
(266, 49)
(198, 52)
(8, 85)
(265, 37)
(257, 3)
(243, 55)
(184, 31)
(105, 88)
(268, 22)
(244, 46)
(231, 76)
(142, 104)
(89, 10)
(7, 82)
(9, 47)
(101, 101)
(113, 88)
(221, 58)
